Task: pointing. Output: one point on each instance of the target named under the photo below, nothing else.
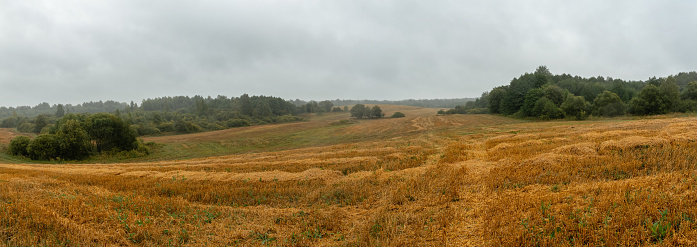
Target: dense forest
(546, 96)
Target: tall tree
(246, 105)
(59, 110)
(40, 122)
(495, 97)
(690, 92)
(670, 92)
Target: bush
(44, 147)
(182, 126)
(233, 123)
(18, 146)
(166, 127)
(478, 111)
(287, 118)
(146, 129)
(26, 127)
(398, 115)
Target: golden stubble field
(464, 180)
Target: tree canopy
(532, 95)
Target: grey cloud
(73, 51)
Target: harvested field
(462, 180)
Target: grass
(465, 180)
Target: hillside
(455, 180)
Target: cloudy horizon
(77, 51)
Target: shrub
(18, 146)
(478, 111)
(287, 118)
(232, 123)
(398, 115)
(166, 127)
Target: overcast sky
(72, 51)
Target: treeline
(77, 136)
(546, 96)
(428, 103)
(180, 114)
(46, 108)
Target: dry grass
(423, 180)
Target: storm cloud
(73, 51)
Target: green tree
(649, 101)
(376, 112)
(542, 76)
(670, 93)
(367, 112)
(110, 132)
(74, 142)
(576, 106)
(690, 92)
(264, 110)
(326, 105)
(556, 94)
(44, 147)
(398, 115)
(515, 94)
(40, 122)
(18, 146)
(609, 104)
(358, 111)
(59, 110)
(495, 98)
(546, 109)
(25, 127)
(201, 108)
(246, 105)
(531, 98)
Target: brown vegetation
(462, 180)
